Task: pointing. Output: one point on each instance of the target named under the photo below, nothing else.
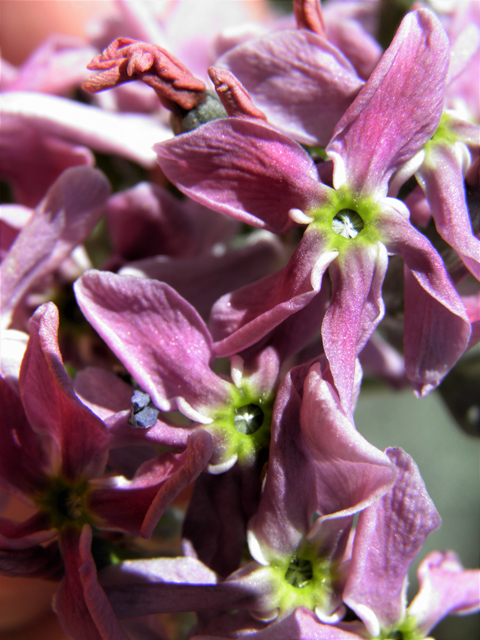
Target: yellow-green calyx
(344, 219)
(444, 135)
(242, 427)
(405, 630)
(303, 580)
(65, 502)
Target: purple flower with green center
(53, 456)
(321, 472)
(248, 170)
(388, 537)
(167, 348)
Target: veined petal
(77, 439)
(145, 597)
(23, 461)
(32, 562)
(244, 169)
(214, 527)
(445, 588)
(25, 535)
(388, 537)
(442, 180)
(242, 318)
(102, 391)
(202, 280)
(173, 570)
(355, 310)
(315, 445)
(397, 111)
(86, 125)
(302, 82)
(63, 220)
(159, 337)
(437, 328)
(80, 603)
(136, 506)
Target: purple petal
(315, 445)
(23, 460)
(136, 506)
(62, 221)
(33, 160)
(355, 310)
(77, 439)
(215, 524)
(388, 537)
(102, 392)
(302, 82)
(472, 306)
(437, 329)
(25, 535)
(445, 588)
(172, 570)
(397, 111)
(163, 433)
(43, 562)
(360, 48)
(243, 317)
(57, 66)
(86, 125)
(80, 603)
(244, 169)
(289, 337)
(443, 182)
(301, 624)
(158, 336)
(148, 221)
(204, 279)
(174, 585)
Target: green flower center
(406, 630)
(65, 502)
(344, 219)
(241, 428)
(444, 135)
(303, 580)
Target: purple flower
(54, 452)
(247, 170)
(321, 472)
(167, 348)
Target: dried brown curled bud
(233, 94)
(125, 60)
(308, 15)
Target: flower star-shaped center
(345, 220)
(347, 223)
(303, 579)
(65, 502)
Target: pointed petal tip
(421, 390)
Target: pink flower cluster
(227, 360)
